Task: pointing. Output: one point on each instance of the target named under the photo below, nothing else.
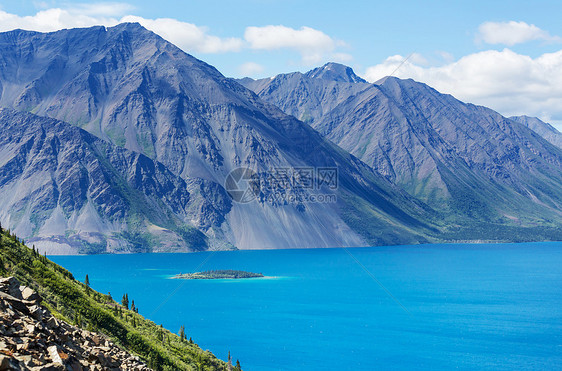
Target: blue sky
(468, 49)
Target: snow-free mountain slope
(464, 158)
(132, 88)
(69, 191)
(542, 128)
(311, 95)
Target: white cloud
(51, 20)
(189, 37)
(250, 69)
(511, 83)
(511, 33)
(313, 45)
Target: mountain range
(143, 97)
(115, 140)
(459, 157)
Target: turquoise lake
(436, 307)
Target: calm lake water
(410, 307)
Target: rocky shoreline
(33, 339)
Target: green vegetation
(217, 275)
(116, 135)
(194, 238)
(377, 230)
(496, 232)
(145, 140)
(75, 302)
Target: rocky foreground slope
(31, 338)
(31, 334)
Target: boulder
(57, 355)
(9, 363)
(10, 285)
(27, 293)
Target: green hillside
(76, 303)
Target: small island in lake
(217, 275)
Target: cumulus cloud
(511, 83)
(512, 33)
(51, 20)
(189, 37)
(250, 69)
(313, 45)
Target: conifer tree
(87, 283)
(133, 308)
(182, 333)
(125, 301)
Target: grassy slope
(73, 302)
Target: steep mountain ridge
(467, 159)
(132, 88)
(542, 128)
(69, 191)
(311, 95)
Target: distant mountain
(312, 95)
(458, 157)
(335, 72)
(129, 87)
(545, 130)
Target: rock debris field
(33, 339)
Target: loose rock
(32, 339)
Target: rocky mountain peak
(335, 72)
